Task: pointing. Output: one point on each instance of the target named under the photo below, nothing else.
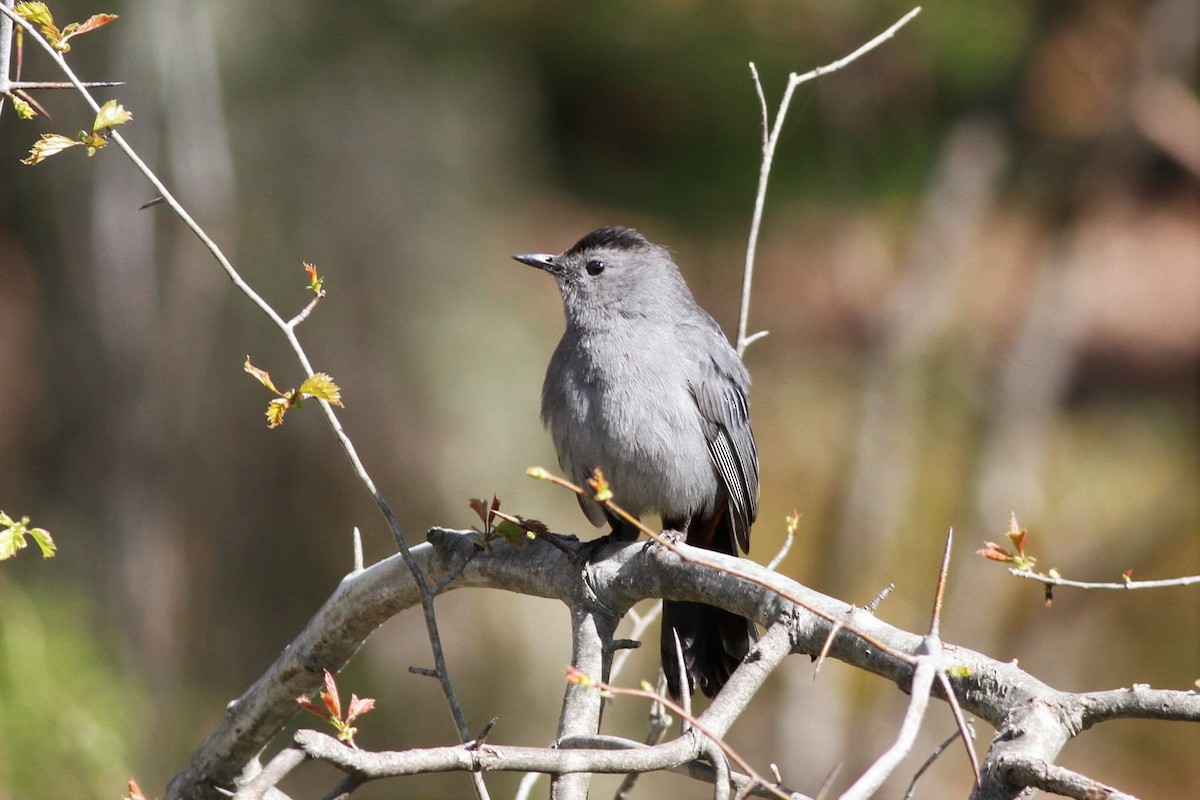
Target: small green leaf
(41, 537)
(37, 13)
(13, 533)
(601, 492)
(110, 114)
(322, 387)
(960, 671)
(511, 531)
(23, 109)
(10, 542)
(94, 142)
(275, 411)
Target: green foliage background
(980, 268)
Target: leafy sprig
(318, 385)
(13, 534)
(111, 114)
(330, 708)
(39, 14)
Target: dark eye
(594, 267)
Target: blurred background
(979, 267)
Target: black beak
(540, 260)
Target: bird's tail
(714, 641)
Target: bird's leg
(676, 530)
(622, 531)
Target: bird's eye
(594, 267)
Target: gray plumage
(645, 386)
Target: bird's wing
(725, 414)
(591, 509)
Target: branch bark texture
(1032, 720)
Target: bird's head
(613, 273)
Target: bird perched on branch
(645, 386)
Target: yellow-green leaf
(93, 141)
(110, 114)
(23, 109)
(13, 533)
(322, 387)
(37, 13)
(275, 411)
(44, 541)
(261, 374)
(48, 145)
(10, 543)
(511, 531)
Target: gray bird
(645, 386)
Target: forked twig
(288, 328)
(770, 139)
(930, 666)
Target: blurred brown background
(980, 270)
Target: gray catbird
(645, 386)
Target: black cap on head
(610, 236)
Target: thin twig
(1048, 580)
(270, 775)
(356, 544)
(926, 670)
(6, 32)
(937, 751)
(289, 332)
(879, 598)
(784, 549)
(695, 723)
(837, 628)
(660, 723)
(770, 140)
(525, 788)
(15, 85)
(934, 642)
(641, 624)
(939, 595)
(344, 788)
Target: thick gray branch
(1033, 720)
(591, 631)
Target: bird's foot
(669, 536)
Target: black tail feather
(714, 641)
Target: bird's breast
(623, 404)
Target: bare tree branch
(1038, 774)
(770, 140)
(1033, 719)
(288, 329)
